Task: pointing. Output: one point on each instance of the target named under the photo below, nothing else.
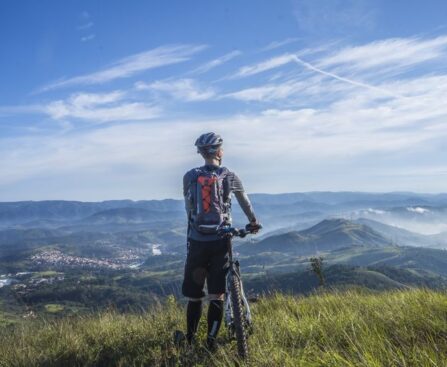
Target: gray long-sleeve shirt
(235, 187)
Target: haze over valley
(89, 255)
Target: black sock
(193, 313)
(215, 314)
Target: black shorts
(205, 260)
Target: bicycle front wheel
(238, 317)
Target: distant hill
(328, 235)
(340, 275)
(132, 215)
(25, 211)
(420, 259)
(400, 236)
(273, 208)
(18, 236)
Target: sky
(104, 99)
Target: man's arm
(242, 198)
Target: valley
(60, 258)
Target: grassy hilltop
(351, 328)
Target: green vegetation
(54, 308)
(6, 320)
(46, 274)
(135, 290)
(351, 328)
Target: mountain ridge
(328, 234)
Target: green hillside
(352, 328)
(339, 276)
(328, 235)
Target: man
(207, 191)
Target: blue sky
(104, 99)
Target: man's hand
(254, 226)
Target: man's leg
(215, 315)
(192, 287)
(216, 289)
(193, 314)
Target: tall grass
(349, 328)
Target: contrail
(346, 80)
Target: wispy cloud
(323, 112)
(131, 65)
(269, 92)
(88, 38)
(216, 62)
(188, 90)
(100, 108)
(335, 17)
(85, 15)
(345, 80)
(280, 60)
(331, 139)
(85, 26)
(303, 85)
(396, 52)
(277, 44)
(352, 65)
(269, 64)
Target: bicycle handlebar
(228, 231)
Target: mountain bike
(237, 315)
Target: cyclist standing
(207, 191)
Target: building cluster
(58, 258)
(124, 259)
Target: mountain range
(129, 253)
(328, 235)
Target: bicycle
(237, 315)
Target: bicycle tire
(238, 317)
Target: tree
(316, 264)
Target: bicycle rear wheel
(238, 317)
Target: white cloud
(258, 93)
(85, 14)
(131, 65)
(418, 210)
(345, 80)
(397, 52)
(100, 108)
(269, 92)
(277, 44)
(358, 66)
(188, 90)
(375, 211)
(269, 64)
(337, 139)
(216, 62)
(311, 127)
(335, 87)
(90, 37)
(85, 26)
(306, 90)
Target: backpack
(209, 199)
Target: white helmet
(208, 143)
